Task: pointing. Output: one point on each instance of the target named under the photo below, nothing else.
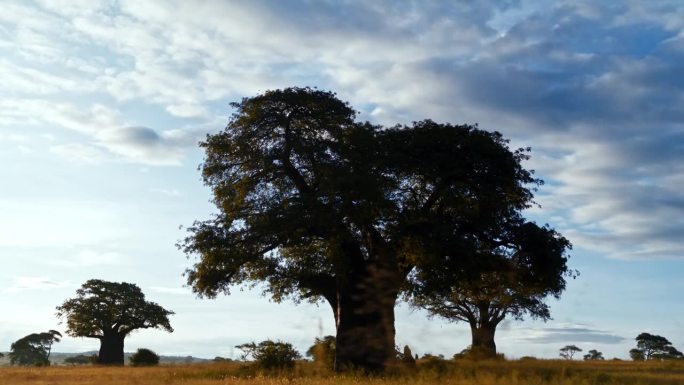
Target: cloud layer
(568, 334)
(596, 89)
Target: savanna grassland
(532, 372)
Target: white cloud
(89, 258)
(35, 283)
(24, 150)
(167, 192)
(79, 153)
(187, 110)
(171, 290)
(104, 130)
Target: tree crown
(34, 349)
(305, 194)
(651, 346)
(101, 308)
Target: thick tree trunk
(365, 323)
(111, 350)
(483, 344)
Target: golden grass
(533, 372)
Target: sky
(102, 104)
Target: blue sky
(102, 104)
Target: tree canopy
(110, 311)
(513, 268)
(271, 354)
(593, 355)
(568, 351)
(34, 349)
(651, 346)
(320, 206)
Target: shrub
(80, 359)
(434, 364)
(477, 353)
(222, 359)
(271, 355)
(144, 357)
(323, 351)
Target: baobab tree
(320, 206)
(109, 312)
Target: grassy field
(531, 372)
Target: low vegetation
(426, 371)
(144, 357)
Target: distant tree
(655, 347)
(323, 351)
(593, 355)
(110, 311)
(271, 355)
(636, 354)
(222, 359)
(568, 351)
(34, 349)
(81, 359)
(320, 206)
(144, 357)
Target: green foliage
(34, 349)
(271, 355)
(650, 346)
(80, 359)
(593, 355)
(111, 307)
(144, 357)
(323, 351)
(568, 351)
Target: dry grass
(537, 372)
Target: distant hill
(58, 358)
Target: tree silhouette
(320, 206)
(144, 357)
(512, 268)
(34, 349)
(110, 311)
(636, 354)
(593, 355)
(568, 351)
(650, 346)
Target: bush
(222, 359)
(144, 357)
(477, 354)
(434, 364)
(80, 359)
(323, 351)
(271, 355)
